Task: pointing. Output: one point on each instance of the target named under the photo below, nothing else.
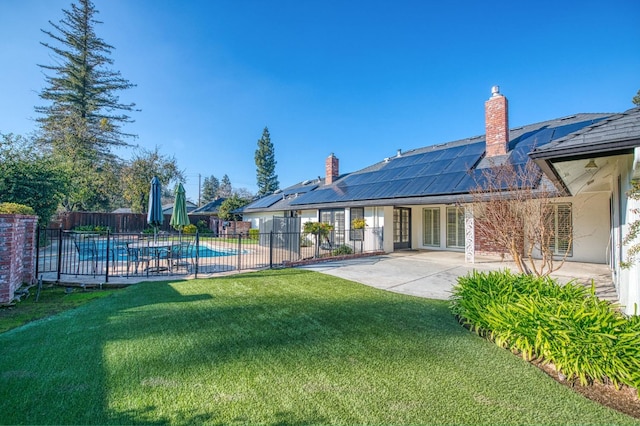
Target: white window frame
(560, 240)
(456, 230)
(431, 227)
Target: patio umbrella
(154, 214)
(179, 216)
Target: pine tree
(266, 165)
(83, 116)
(210, 188)
(225, 189)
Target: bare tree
(516, 212)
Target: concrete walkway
(432, 274)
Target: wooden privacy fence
(117, 222)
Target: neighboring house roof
(168, 208)
(442, 173)
(211, 207)
(122, 210)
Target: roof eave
(578, 152)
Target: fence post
(59, 253)
(239, 250)
(197, 251)
(106, 274)
(38, 231)
(271, 249)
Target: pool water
(203, 251)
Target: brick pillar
(331, 167)
(17, 253)
(496, 115)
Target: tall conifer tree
(266, 165)
(83, 116)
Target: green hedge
(15, 208)
(584, 337)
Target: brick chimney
(496, 116)
(331, 169)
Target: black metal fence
(108, 255)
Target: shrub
(254, 234)
(203, 228)
(190, 229)
(358, 224)
(584, 337)
(15, 208)
(340, 250)
(98, 229)
(317, 228)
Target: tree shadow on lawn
(138, 340)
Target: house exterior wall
(590, 214)
(626, 280)
(386, 217)
(257, 218)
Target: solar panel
(445, 183)
(461, 164)
(562, 131)
(301, 189)
(451, 153)
(266, 201)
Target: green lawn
(277, 347)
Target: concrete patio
(432, 274)
(423, 273)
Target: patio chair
(180, 256)
(138, 255)
(87, 252)
(121, 253)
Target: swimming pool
(98, 250)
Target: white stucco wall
(387, 223)
(591, 219)
(627, 280)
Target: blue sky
(360, 79)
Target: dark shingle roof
(211, 207)
(615, 134)
(437, 173)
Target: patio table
(155, 247)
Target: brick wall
(496, 115)
(17, 253)
(484, 245)
(331, 168)
(232, 228)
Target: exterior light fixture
(591, 166)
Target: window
(431, 227)
(559, 217)
(356, 213)
(335, 218)
(455, 227)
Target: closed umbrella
(179, 216)
(155, 217)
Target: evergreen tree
(266, 165)
(636, 99)
(210, 189)
(229, 205)
(225, 190)
(82, 119)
